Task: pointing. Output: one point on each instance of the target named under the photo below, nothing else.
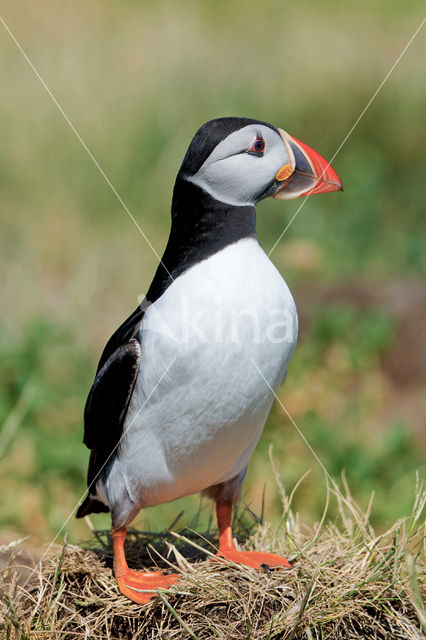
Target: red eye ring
(258, 147)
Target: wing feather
(107, 405)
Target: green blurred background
(137, 79)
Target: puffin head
(240, 161)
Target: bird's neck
(201, 226)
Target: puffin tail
(90, 505)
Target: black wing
(124, 334)
(109, 397)
(108, 402)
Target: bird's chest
(219, 324)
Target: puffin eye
(258, 147)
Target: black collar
(201, 226)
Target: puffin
(184, 386)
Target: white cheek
(239, 179)
(229, 180)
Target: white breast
(197, 425)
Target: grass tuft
(346, 583)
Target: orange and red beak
(306, 173)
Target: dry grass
(346, 583)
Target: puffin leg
(255, 559)
(129, 581)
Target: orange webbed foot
(140, 586)
(255, 559)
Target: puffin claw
(266, 567)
